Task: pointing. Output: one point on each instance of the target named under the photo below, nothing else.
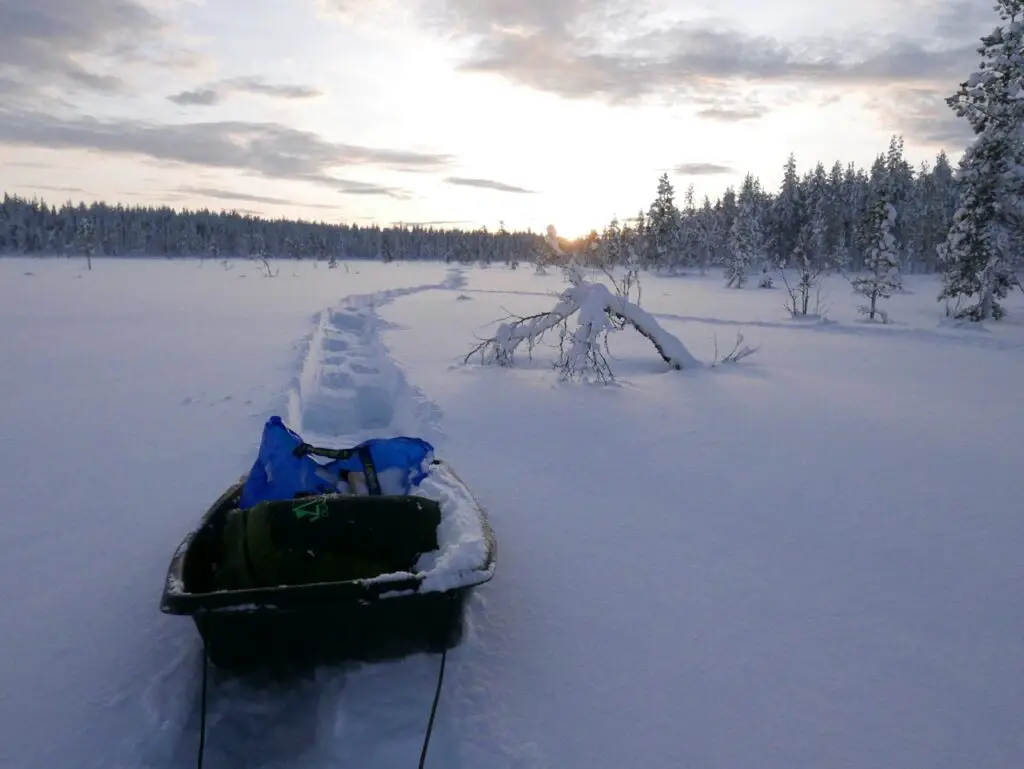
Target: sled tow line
(426, 737)
(202, 708)
(433, 709)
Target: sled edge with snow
(386, 616)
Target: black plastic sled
(332, 578)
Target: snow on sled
(368, 556)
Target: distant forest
(828, 207)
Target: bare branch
(501, 347)
(738, 352)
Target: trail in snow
(347, 389)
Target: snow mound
(461, 537)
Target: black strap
(372, 481)
(363, 452)
(304, 449)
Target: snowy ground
(812, 559)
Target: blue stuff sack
(285, 467)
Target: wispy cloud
(215, 93)
(280, 91)
(44, 43)
(434, 223)
(219, 194)
(204, 97)
(702, 169)
(923, 114)
(733, 114)
(270, 150)
(488, 184)
(53, 188)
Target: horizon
(377, 112)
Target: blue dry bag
(285, 468)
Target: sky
(464, 113)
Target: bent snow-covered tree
(583, 351)
(987, 234)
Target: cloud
(702, 169)
(201, 96)
(961, 19)
(215, 93)
(212, 192)
(924, 114)
(52, 188)
(259, 86)
(625, 53)
(43, 43)
(733, 114)
(692, 59)
(352, 187)
(434, 223)
(487, 184)
(270, 150)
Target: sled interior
(361, 538)
(372, 609)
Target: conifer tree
(882, 261)
(981, 248)
(663, 228)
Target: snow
(811, 558)
(461, 538)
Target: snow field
(803, 560)
(808, 559)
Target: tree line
(825, 209)
(33, 227)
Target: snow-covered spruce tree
(663, 229)
(881, 262)
(899, 193)
(987, 235)
(583, 351)
(788, 212)
(746, 238)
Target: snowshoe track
(349, 388)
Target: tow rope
(426, 737)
